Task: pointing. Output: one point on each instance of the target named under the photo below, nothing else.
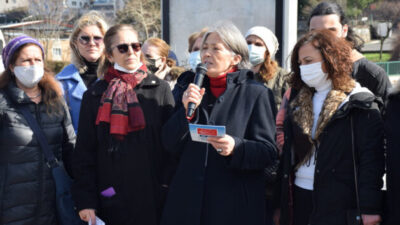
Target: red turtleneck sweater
(218, 84)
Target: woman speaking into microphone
(221, 181)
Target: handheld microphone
(201, 71)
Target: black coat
(334, 188)
(135, 167)
(373, 77)
(212, 189)
(392, 125)
(27, 189)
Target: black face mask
(151, 65)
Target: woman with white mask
(27, 188)
(263, 46)
(333, 130)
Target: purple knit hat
(14, 45)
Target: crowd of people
(306, 146)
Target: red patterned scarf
(119, 105)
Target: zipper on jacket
(41, 173)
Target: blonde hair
(193, 37)
(88, 19)
(163, 49)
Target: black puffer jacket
(27, 190)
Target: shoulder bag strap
(41, 138)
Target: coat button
(317, 171)
(333, 170)
(285, 176)
(220, 99)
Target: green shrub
(56, 66)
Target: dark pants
(302, 206)
(269, 211)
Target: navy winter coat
(212, 189)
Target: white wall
(188, 16)
(6, 5)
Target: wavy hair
(89, 19)
(268, 67)
(336, 55)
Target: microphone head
(201, 68)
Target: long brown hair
(51, 90)
(268, 67)
(336, 54)
(108, 41)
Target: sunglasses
(85, 40)
(124, 48)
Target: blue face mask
(194, 59)
(256, 54)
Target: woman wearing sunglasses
(119, 157)
(87, 47)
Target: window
(73, 3)
(7, 1)
(56, 52)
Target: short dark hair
(329, 8)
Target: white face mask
(256, 54)
(29, 76)
(194, 59)
(122, 69)
(314, 77)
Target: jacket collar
(17, 94)
(70, 72)
(239, 76)
(150, 81)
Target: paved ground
(374, 45)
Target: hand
(223, 145)
(277, 216)
(371, 219)
(88, 214)
(192, 94)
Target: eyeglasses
(124, 48)
(85, 40)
